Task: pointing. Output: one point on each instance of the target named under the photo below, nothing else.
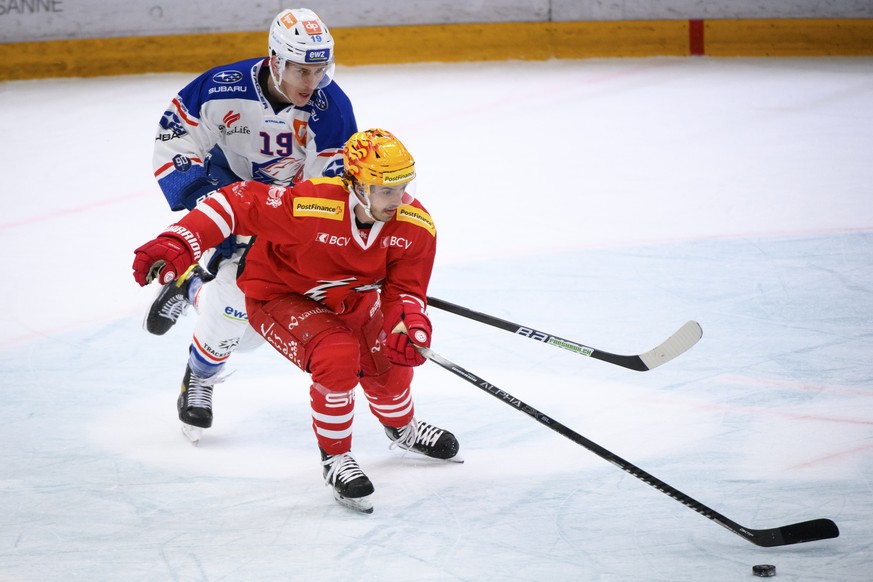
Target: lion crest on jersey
(274, 196)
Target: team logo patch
(274, 196)
(181, 163)
(319, 100)
(320, 208)
(171, 122)
(227, 77)
(413, 215)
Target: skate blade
(192, 433)
(456, 459)
(361, 504)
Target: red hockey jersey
(307, 242)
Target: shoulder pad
(234, 81)
(416, 216)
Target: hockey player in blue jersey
(278, 120)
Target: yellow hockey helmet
(376, 157)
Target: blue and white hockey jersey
(226, 108)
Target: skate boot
(172, 301)
(195, 404)
(427, 439)
(350, 486)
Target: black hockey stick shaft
(680, 342)
(806, 531)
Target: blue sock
(201, 367)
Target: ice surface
(604, 201)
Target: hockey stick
(795, 533)
(677, 344)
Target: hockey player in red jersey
(336, 281)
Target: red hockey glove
(165, 258)
(406, 325)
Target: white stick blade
(676, 345)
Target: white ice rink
(605, 201)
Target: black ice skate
(172, 301)
(195, 404)
(351, 487)
(426, 439)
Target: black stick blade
(796, 533)
(805, 531)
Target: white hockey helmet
(299, 36)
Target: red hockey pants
(338, 351)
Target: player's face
(300, 81)
(385, 200)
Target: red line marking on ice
(791, 385)
(68, 211)
(763, 411)
(828, 458)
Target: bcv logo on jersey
(332, 239)
(395, 241)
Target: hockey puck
(764, 570)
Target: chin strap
(277, 82)
(358, 192)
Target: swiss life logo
(230, 118)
